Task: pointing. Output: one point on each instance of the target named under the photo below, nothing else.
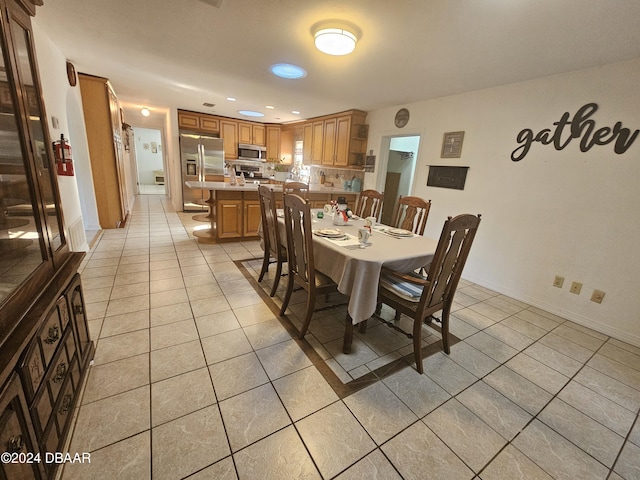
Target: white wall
(64, 102)
(564, 212)
(147, 160)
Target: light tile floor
(194, 376)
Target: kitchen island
(234, 210)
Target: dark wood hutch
(44, 343)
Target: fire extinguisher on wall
(62, 154)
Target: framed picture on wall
(452, 145)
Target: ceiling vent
(214, 3)
(208, 105)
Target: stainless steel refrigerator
(202, 157)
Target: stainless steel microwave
(252, 152)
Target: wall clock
(402, 117)
(71, 74)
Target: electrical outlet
(597, 296)
(558, 281)
(576, 287)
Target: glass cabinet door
(21, 242)
(46, 180)
(31, 228)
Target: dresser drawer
(64, 407)
(50, 335)
(60, 367)
(33, 369)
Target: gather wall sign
(582, 127)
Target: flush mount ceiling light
(335, 38)
(286, 70)
(144, 111)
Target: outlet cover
(576, 287)
(597, 296)
(558, 281)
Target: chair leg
(265, 264)
(362, 326)
(276, 280)
(397, 315)
(311, 301)
(287, 296)
(445, 328)
(348, 335)
(378, 308)
(417, 343)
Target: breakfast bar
(234, 213)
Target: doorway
(149, 155)
(400, 171)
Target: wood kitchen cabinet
(336, 140)
(237, 215)
(229, 135)
(198, 122)
(275, 141)
(104, 137)
(251, 133)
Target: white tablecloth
(357, 272)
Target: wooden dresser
(45, 349)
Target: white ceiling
(182, 53)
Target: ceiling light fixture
(250, 113)
(145, 112)
(286, 70)
(231, 99)
(295, 112)
(270, 107)
(335, 38)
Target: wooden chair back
(273, 247)
(271, 235)
(411, 214)
(448, 261)
(297, 218)
(370, 204)
(299, 188)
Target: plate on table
(329, 233)
(399, 232)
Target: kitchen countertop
(252, 187)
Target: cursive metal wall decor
(452, 145)
(582, 127)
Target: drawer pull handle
(54, 335)
(61, 371)
(14, 445)
(66, 404)
(78, 310)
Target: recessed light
(295, 112)
(144, 111)
(250, 113)
(270, 107)
(286, 70)
(231, 99)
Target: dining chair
(420, 297)
(411, 213)
(370, 204)
(273, 247)
(299, 188)
(297, 218)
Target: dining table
(356, 267)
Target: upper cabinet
(229, 135)
(198, 122)
(336, 140)
(251, 133)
